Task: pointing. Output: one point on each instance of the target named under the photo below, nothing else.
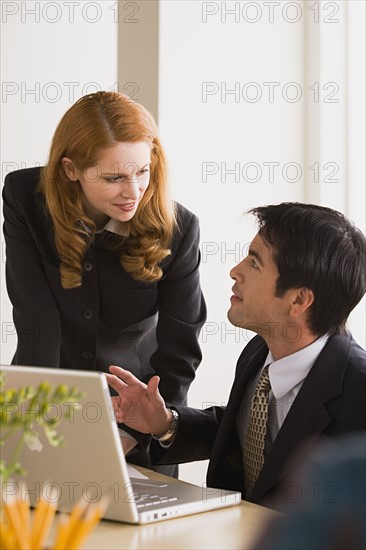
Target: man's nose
(236, 272)
(233, 273)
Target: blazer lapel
(308, 416)
(226, 454)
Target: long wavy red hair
(95, 122)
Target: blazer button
(87, 354)
(88, 266)
(88, 314)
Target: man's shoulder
(357, 351)
(340, 382)
(343, 347)
(339, 371)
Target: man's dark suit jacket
(331, 402)
(148, 328)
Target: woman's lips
(126, 207)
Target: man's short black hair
(320, 249)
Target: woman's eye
(120, 178)
(114, 179)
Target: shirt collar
(286, 373)
(113, 226)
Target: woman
(102, 267)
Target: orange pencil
(62, 531)
(43, 517)
(7, 540)
(15, 522)
(87, 523)
(75, 515)
(24, 511)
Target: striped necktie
(253, 451)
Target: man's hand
(138, 405)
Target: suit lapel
(226, 454)
(308, 416)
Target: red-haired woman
(102, 266)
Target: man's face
(254, 305)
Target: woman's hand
(138, 405)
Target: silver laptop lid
(91, 462)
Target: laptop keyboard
(146, 499)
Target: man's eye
(253, 263)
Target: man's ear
(302, 300)
(70, 169)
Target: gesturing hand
(138, 405)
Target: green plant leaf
(21, 408)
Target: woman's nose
(130, 188)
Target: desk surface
(230, 528)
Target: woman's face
(114, 186)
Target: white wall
(47, 66)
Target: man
(301, 378)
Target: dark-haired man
(301, 378)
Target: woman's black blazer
(148, 328)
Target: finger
(118, 413)
(116, 383)
(114, 380)
(153, 387)
(124, 375)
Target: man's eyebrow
(253, 252)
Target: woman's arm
(35, 313)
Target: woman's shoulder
(27, 177)
(186, 234)
(20, 193)
(185, 218)
(24, 182)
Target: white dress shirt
(286, 376)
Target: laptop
(91, 463)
